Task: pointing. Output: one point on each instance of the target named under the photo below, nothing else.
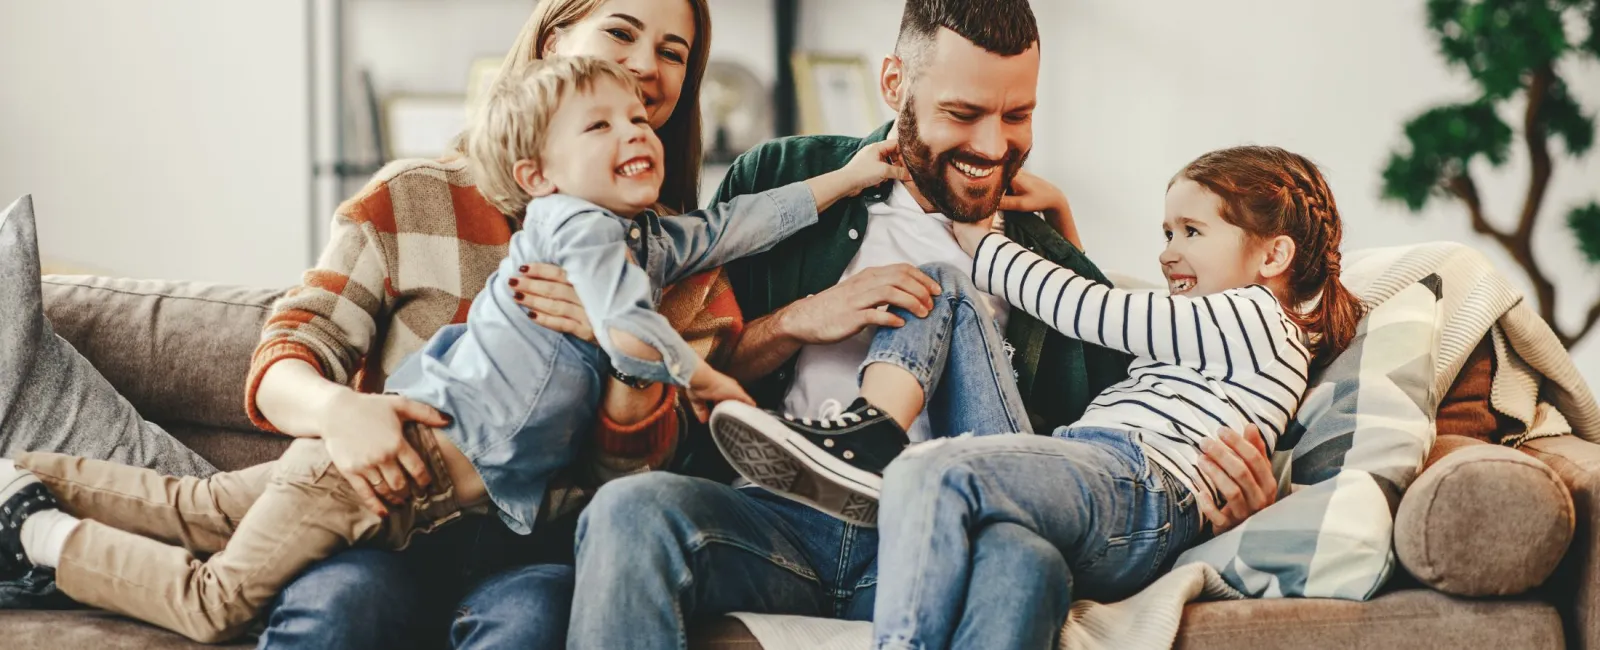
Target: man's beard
(928, 172)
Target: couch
(180, 351)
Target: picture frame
(422, 125)
(837, 94)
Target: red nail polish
(523, 268)
(533, 314)
(513, 282)
(517, 295)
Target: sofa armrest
(1577, 581)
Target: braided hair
(1267, 192)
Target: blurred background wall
(178, 138)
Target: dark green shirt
(1058, 376)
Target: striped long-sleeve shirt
(1224, 360)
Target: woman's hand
(1240, 469)
(543, 288)
(1029, 193)
(364, 435)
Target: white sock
(44, 534)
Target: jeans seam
(700, 541)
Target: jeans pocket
(1125, 564)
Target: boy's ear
(1279, 256)
(892, 82)
(532, 179)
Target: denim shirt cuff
(797, 207)
(678, 361)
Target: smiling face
(966, 122)
(601, 148)
(1205, 254)
(651, 38)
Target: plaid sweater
(405, 257)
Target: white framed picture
(422, 126)
(837, 95)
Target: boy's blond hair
(513, 121)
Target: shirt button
(782, 375)
(674, 368)
(854, 234)
(634, 233)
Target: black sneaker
(20, 495)
(835, 464)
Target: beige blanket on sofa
(1535, 382)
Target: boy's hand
(874, 164)
(708, 385)
(969, 235)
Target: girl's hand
(1238, 465)
(543, 289)
(874, 164)
(1029, 193)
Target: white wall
(1131, 91)
(163, 139)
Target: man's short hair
(1003, 27)
(513, 121)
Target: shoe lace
(831, 414)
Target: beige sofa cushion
(1483, 520)
(179, 351)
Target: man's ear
(1279, 256)
(532, 179)
(892, 82)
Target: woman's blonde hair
(680, 136)
(513, 121)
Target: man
(657, 550)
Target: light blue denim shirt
(518, 393)
(593, 246)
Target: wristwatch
(631, 381)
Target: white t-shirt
(898, 231)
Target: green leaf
(1457, 133)
(1443, 141)
(1411, 180)
(1584, 221)
(1499, 42)
(1563, 118)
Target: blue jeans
(656, 551)
(1113, 520)
(465, 586)
(968, 388)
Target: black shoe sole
(769, 454)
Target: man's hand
(1238, 465)
(708, 386)
(364, 436)
(856, 303)
(1029, 193)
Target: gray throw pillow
(51, 398)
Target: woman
(405, 257)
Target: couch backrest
(179, 351)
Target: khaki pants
(135, 553)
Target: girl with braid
(1254, 303)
